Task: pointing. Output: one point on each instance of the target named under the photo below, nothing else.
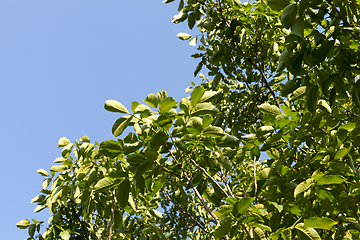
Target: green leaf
(196, 95)
(115, 106)
(303, 186)
(111, 148)
(348, 126)
(298, 93)
(342, 152)
(135, 158)
(284, 58)
(223, 228)
(43, 172)
(330, 179)
(278, 5)
(106, 183)
(123, 192)
(259, 234)
(184, 36)
(228, 141)
(263, 227)
(58, 168)
(269, 109)
(309, 233)
(324, 106)
(297, 27)
(194, 125)
(319, 222)
(203, 109)
(242, 206)
(289, 15)
(23, 224)
(158, 139)
(223, 211)
(264, 130)
(312, 98)
(152, 100)
(213, 131)
(142, 168)
(84, 139)
(120, 125)
(65, 235)
(209, 96)
(167, 104)
(39, 208)
(141, 108)
(193, 41)
(63, 142)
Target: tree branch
(255, 182)
(185, 212)
(222, 175)
(81, 223)
(211, 178)
(201, 198)
(246, 58)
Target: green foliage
(266, 147)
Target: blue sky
(59, 62)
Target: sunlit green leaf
(196, 95)
(167, 104)
(330, 179)
(269, 109)
(184, 36)
(303, 186)
(115, 106)
(63, 142)
(23, 224)
(310, 233)
(43, 172)
(319, 222)
(106, 183)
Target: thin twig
(255, 182)
(81, 223)
(211, 178)
(201, 198)
(185, 212)
(194, 188)
(222, 175)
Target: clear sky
(59, 62)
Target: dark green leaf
(278, 5)
(312, 98)
(123, 192)
(223, 228)
(120, 125)
(289, 15)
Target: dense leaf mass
(266, 147)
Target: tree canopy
(265, 147)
